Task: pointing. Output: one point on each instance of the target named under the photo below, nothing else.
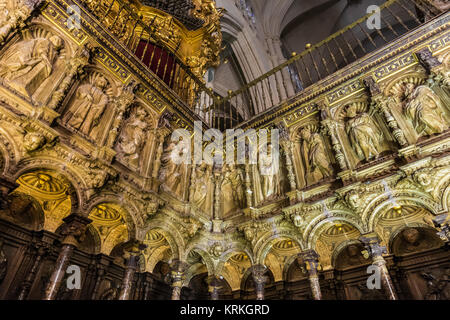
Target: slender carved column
(123, 103)
(382, 103)
(248, 186)
(375, 250)
(177, 284)
(159, 152)
(310, 261)
(26, 284)
(132, 253)
(76, 67)
(260, 279)
(213, 287)
(330, 129)
(98, 280)
(287, 146)
(217, 192)
(73, 230)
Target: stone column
(382, 103)
(287, 147)
(213, 287)
(73, 230)
(41, 252)
(260, 279)
(310, 261)
(131, 255)
(177, 284)
(375, 250)
(177, 272)
(98, 280)
(329, 128)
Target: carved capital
(74, 229)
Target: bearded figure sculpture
(28, 63)
(133, 136)
(365, 137)
(90, 102)
(425, 110)
(316, 162)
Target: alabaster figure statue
(133, 137)
(232, 189)
(203, 188)
(29, 63)
(365, 137)
(173, 175)
(86, 110)
(270, 174)
(424, 109)
(315, 159)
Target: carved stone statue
(232, 189)
(133, 136)
(425, 110)
(174, 176)
(203, 188)
(315, 159)
(85, 112)
(271, 179)
(29, 63)
(365, 136)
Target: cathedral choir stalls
(112, 128)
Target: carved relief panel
(33, 63)
(362, 132)
(312, 155)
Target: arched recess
(329, 234)
(379, 205)
(233, 266)
(412, 238)
(348, 254)
(171, 233)
(199, 261)
(24, 210)
(109, 219)
(52, 190)
(198, 288)
(158, 250)
(72, 177)
(266, 241)
(405, 213)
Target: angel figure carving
(28, 63)
(90, 102)
(425, 110)
(365, 137)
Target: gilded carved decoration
(116, 152)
